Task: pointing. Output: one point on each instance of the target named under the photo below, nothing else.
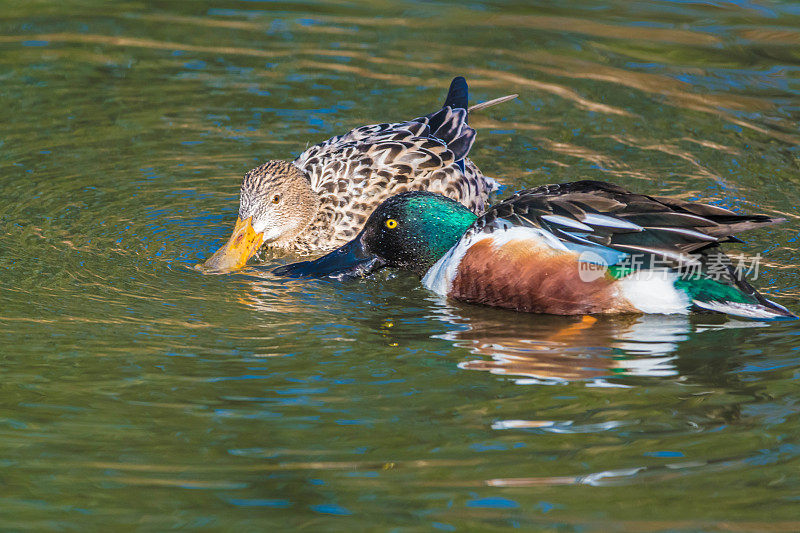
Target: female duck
(322, 199)
(576, 248)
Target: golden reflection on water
(610, 165)
(554, 23)
(479, 77)
(677, 92)
(669, 149)
(638, 474)
(85, 38)
(549, 350)
(538, 22)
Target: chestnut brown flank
(524, 277)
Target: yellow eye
(276, 199)
(391, 223)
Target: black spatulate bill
(348, 262)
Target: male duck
(576, 248)
(322, 199)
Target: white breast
(439, 277)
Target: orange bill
(240, 247)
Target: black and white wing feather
(593, 215)
(603, 214)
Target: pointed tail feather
(766, 310)
(750, 222)
(732, 296)
(458, 95)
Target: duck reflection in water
(533, 349)
(549, 350)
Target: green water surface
(139, 394)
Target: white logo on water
(591, 266)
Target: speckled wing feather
(354, 172)
(592, 215)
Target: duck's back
(353, 173)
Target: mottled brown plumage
(323, 198)
(350, 175)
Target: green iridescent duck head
(411, 231)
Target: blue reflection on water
(277, 504)
(493, 503)
(331, 509)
